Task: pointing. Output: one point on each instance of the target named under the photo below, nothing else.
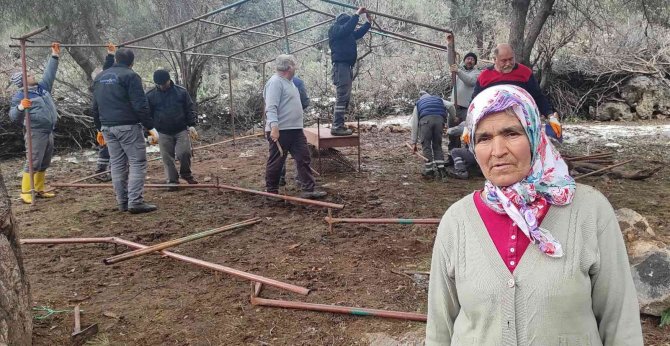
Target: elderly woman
(533, 258)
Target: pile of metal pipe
(198, 262)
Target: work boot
(174, 186)
(142, 208)
(26, 196)
(123, 207)
(191, 180)
(340, 131)
(458, 174)
(272, 201)
(40, 190)
(313, 194)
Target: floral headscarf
(547, 182)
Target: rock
(614, 111)
(650, 97)
(651, 275)
(633, 225)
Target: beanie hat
(342, 17)
(473, 55)
(17, 79)
(161, 76)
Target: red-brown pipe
(215, 186)
(338, 309)
(174, 242)
(201, 263)
(332, 220)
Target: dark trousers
(343, 80)
(431, 127)
(103, 159)
(295, 143)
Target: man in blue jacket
(120, 109)
(174, 117)
(43, 118)
(342, 38)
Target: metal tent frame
(286, 36)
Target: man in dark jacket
(506, 71)
(174, 116)
(103, 150)
(120, 109)
(342, 38)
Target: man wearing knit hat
(43, 117)
(466, 79)
(174, 116)
(342, 38)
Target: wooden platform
(322, 139)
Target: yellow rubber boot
(26, 196)
(40, 177)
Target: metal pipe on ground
(338, 309)
(333, 220)
(174, 242)
(198, 262)
(216, 186)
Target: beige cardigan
(586, 297)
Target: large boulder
(650, 262)
(649, 96)
(613, 111)
(651, 275)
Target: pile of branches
(74, 129)
(583, 82)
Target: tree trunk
(517, 25)
(535, 28)
(15, 318)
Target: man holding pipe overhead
(342, 38)
(120, 110)
(43, 117)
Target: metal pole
(387, 16)
(29, 132)
(283, 14)
(26, 112)
(215, 186)
(174, 242)
(277, 39)
(250, 31)
(338, 309)
(208, 14)
(230, 87)
(387, 33)
(198, 262)
(244, 30)
(333, 220)
(451, 58)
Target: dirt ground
(160, 301)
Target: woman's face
(502, 149)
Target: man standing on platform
(283, 129)
(342, 38)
